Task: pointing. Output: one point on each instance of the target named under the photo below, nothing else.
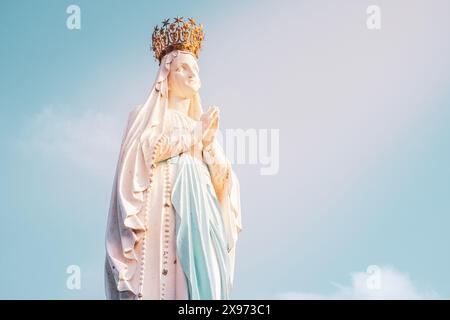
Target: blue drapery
(198, 223)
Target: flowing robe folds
(182, 244)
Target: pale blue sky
(364, 137)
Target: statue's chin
(193, 91)
(193, 85)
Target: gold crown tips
(180, 34)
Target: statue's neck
(179, 103)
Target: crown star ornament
(181, 34)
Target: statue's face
(184, 80)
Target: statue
(174, 215)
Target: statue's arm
(219, 167)
(227, 187)
(172, 143)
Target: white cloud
(89, 139)
(393, 285)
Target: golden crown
(179, 35)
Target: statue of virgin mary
(174, 215)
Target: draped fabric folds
(135, 180)
(201, 237)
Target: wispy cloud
(391, 284)
(88, 139)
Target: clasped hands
(209, 122)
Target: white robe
(160, 276)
